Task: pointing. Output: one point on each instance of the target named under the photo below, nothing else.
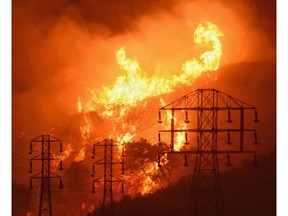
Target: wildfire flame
(149, 185)
(79, 105)
(179, 137)
(114, 103)
(81, 156)
(67, 151)
(135, 86)
(203, 35)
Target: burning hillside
(88, 70)
(119, 103)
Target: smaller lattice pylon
(107, 160)
(45, 156)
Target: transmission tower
(45, 205)
(107, 161)
(208, 107)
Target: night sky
(64, 51)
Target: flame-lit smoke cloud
(64, 50)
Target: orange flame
(150, 185)
(79, 105)
(85, 128)
(81, 155)
(145, 180)
(131, 90)
(67, 151)
(136, 86)
(203, 35)
(179, 137)
(61, 156)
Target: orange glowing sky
(65, 53)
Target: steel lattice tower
(107, 161)
(206, 105)
(45, 205)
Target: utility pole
(46, 156)
(107, 161)
(208, 107)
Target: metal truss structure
(107, 161)
(208, 107)
(46, 156)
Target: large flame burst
(114, 103)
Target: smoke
(64, 49)
(116, 17)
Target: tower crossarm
(206, 108)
